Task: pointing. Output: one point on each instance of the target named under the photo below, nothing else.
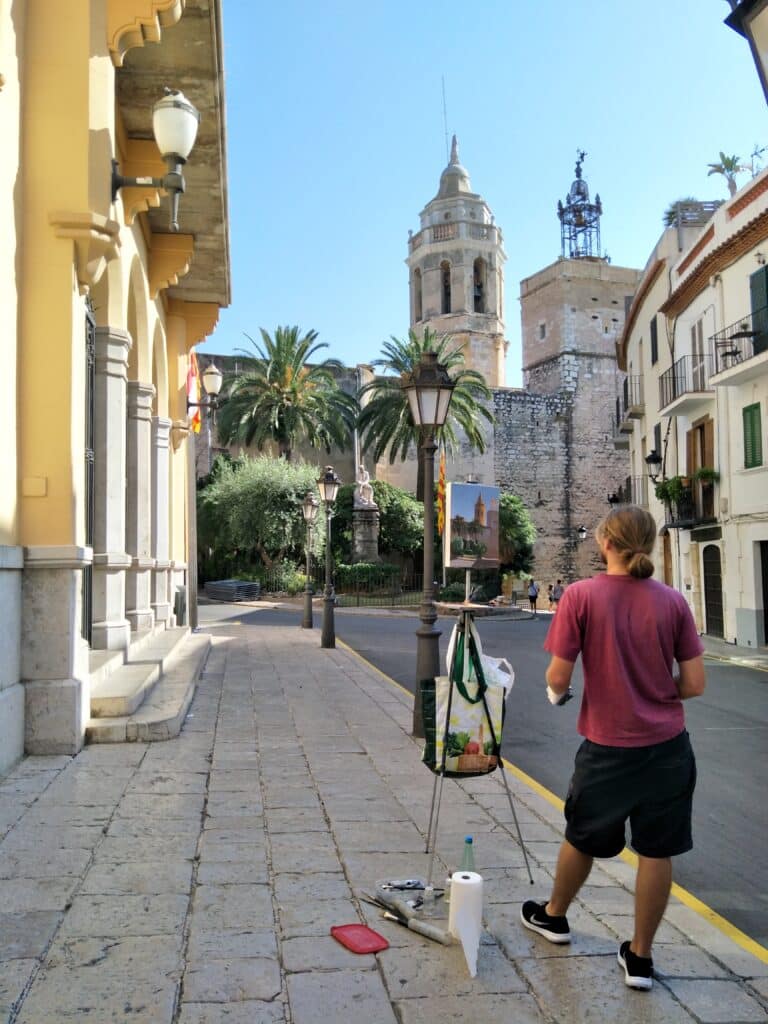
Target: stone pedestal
(365, 534)
(54, 656)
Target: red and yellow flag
(193, 393)
(441, 494)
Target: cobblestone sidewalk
(196, 880)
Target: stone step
(165, 705)
(103, 663)
(120, 690)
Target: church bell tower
(456, 264)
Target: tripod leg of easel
(517, 823)
(434, 842)
(431, 816)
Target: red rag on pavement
(359, 938)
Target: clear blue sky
(336, 141)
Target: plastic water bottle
(468, 855)
(467, 864)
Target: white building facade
(695, 349)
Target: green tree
(401, 523)
(516, 534)
(729, 167)
(279, 397)
(250, 515)
(385, 421)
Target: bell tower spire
(456, 262)
(580, 219)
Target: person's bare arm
(690, 680)
(558, 674)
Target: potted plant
(706, 475)
(673, 489)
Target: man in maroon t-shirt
(636, 760)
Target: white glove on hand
(559, 698)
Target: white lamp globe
(174, 123)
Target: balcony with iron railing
(620, 435)
(741, 350)
(687, 503)
(685, 389)
(633, 491)
(631, 403)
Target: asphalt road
(728, 727)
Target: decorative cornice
(64, 556)
(140, 159)
(135, 22)
(179, 430)
(169, 258)
(112, 560)
(201, 318)
(96, 241)
(730, 250)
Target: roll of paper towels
(465, 916)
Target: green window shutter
(753, 440)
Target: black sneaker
(638, 970)
(534, 916)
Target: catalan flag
(441, 494)
(193, 393)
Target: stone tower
(554, 443)
(456, 264)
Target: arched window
(417, 310)
(445, 286)
(479, 285)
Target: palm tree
(385, 421)
(280, 397)
(729, 167)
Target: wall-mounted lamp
(582, 533)
(654, 463)
(212, 378)
(760, 258)
(174, 125)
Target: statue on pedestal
(363, 496)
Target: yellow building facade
(100, 305)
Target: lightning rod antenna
(445, 121)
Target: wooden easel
(466, 612)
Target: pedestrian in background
(636, 760)
(533, 595)
(550, 588)
(557, 593)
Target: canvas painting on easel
(472, 526)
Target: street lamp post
(750, 19)
(212, 381)
(429, 389)
(328, 485)
(309, 508)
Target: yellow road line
(688, 899)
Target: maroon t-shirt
(628, 632)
